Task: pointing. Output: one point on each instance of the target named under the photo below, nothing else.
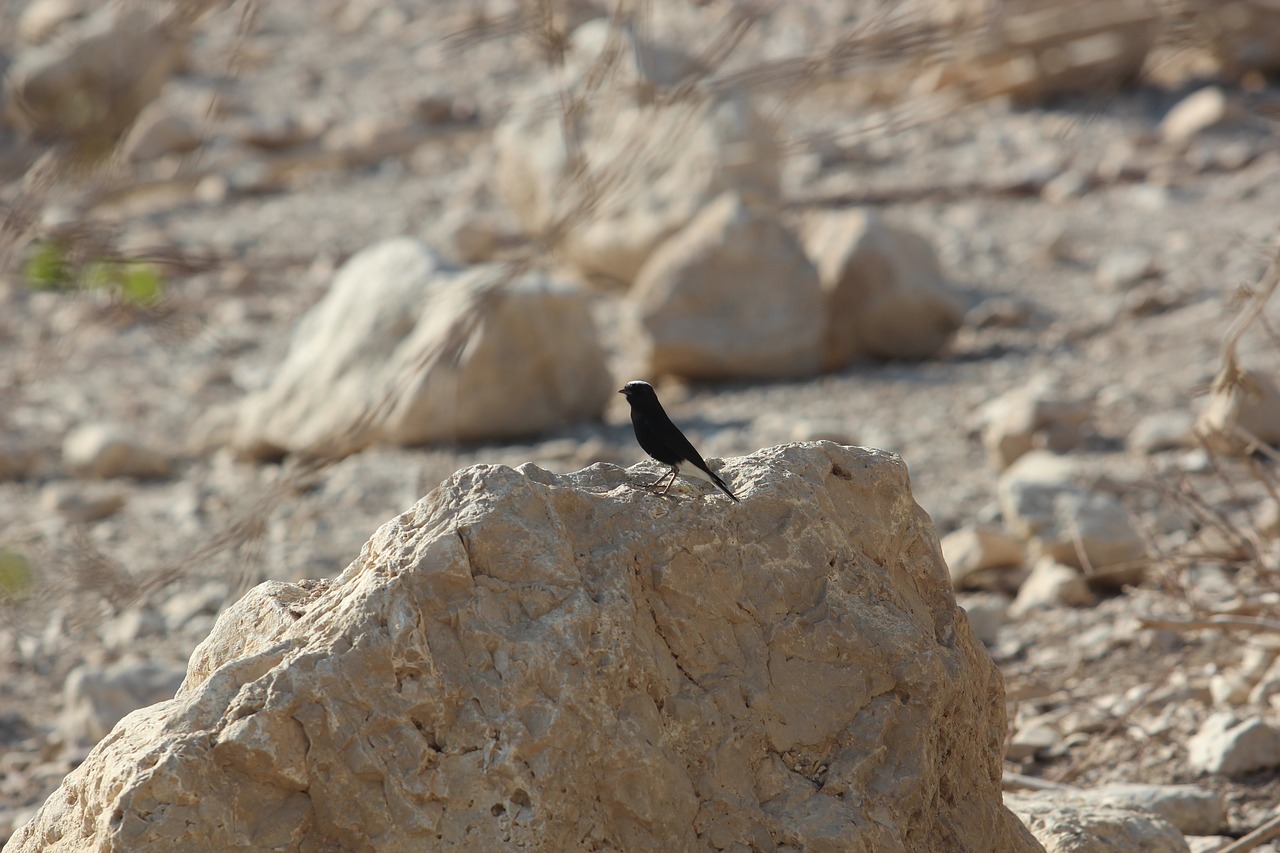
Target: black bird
(662, 440)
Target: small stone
(281, 132)
(998, 313)
(988, 612)
(1151, 298)
(1124, 268)
(971, 550)
(1197, 112)
(42, 18)
(185, 606)
(123, 631)
(94, 700)
(1061, 519)
(1064, 823)
(111, 450)
(1232, 748)
(1208, 843)
(1229, 688)
(1070, 184)
(1162, 431)
(16, 462)
(1195, 461)
(1032, 739)
(1244, 406)
(158, 132)
(1266, 689)
(1051, 584)
(79, 505)
(465, 237)
(1013, 423)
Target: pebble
(1196, 113)
(972, 552)
(1051, 584)
(1124, 268)
(1223, 745)
(111, 450)
(988, 612)
(95, 699)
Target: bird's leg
(675, 469)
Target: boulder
(732, 296)
(407, 350)
(1065, 824)
(90, 85)
(630, 172)
(565, 662)
(111, 450)
(885, 293)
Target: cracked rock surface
(569, 662)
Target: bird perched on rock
(662, 440)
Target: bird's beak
(622, 390)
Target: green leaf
(141, 284)
(17, 577)
(48, 267)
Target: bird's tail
(693, 469)
(715, 478)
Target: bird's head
(636, 388)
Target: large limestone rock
(613, 177)
(884, 290)
(362, 365)
(542, 662)
(731, 296)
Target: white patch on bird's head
(634, 386)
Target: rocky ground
(1101, 253)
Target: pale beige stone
(91, 84)
(1066, 824)
(1242, 408)
(971, 551)
(111, 450)
(650, 168)
(405, 349)
(885, 292)
(554, 663)
(731, 296)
